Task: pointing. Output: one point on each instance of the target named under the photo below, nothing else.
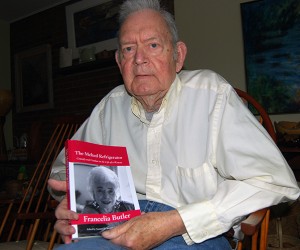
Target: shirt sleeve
(253, 173)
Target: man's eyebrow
(152, 39)
(128, 42)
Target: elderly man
(200, 160)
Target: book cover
(100, 187)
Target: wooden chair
(28, 222)
(263, 115)
(255, 226)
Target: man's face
(146, 57)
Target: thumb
(57, 185)
(114, 232)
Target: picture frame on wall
(271, 37)
(92, 23)
(33, 79)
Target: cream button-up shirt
(203, 152)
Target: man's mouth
(142, 76)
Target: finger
(111, 233)
(63, 227)
(65, 230)
(116, 231)
(66, 239)
(58, 185)
(62, 211)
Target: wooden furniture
(292, 156)
(29, 221)
(256, 225)
(6, 101)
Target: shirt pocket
(196, 184)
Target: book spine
(67, 171)
(68, 152)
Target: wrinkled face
(146, 56)
(105, 195)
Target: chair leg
(254, 241)
(6, 217)
(264, 231)
(240, 246)
(47, 232)
(52, 240)
(32, 235)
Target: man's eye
(154, 45)
(127, 49)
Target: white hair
(103, 174)
(131, 6)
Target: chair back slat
(33, 210)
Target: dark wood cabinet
(292, 155)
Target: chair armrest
(252, 223)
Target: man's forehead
(144, 18)
(146, 30)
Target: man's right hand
(62, 213)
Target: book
(100, 187)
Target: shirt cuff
(201, 222)
(188, 239)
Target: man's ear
(117, 58)
(181, 54)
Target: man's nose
(141, 56)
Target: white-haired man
(200, 160)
